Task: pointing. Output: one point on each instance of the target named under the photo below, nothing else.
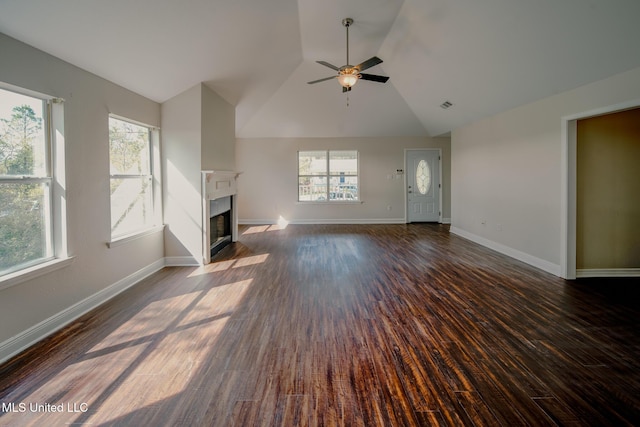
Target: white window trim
(57, 176)
(34, 271)
(359, 201)
(154, 152)
(122, 240)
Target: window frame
(54, 196)
(327, 175)
(154, 224)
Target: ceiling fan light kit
(348, 79)
(348, 75)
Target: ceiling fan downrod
(347, 23)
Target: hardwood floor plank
(557, 411)
(342, 325)
(476, 409)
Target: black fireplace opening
(220, 226)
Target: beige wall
(506, 172)
(608, 191)
(181, 154)
(218, 132)
(198, 132)
(35, 307)
(267, 188)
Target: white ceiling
(484, 56)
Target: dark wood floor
(372, 325)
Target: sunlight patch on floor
(281, 224)
(81, 384)
(226, 265)
(212, 268)
(151, 320)
(256, 229)
(166, 365)
(251, 260)
(218, 302)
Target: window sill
(33, 272)
(119, 241)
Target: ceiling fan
(348, 75)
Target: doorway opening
(569, 191)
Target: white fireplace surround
(215, 185)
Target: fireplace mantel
(215, 185)
(218, 184)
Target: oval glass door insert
(423, 177)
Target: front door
(423, 185)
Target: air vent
(445, 105)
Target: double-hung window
(131, 164)
(328, 176)
(28, 236)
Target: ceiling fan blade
(368, 63)
(322, 80)
(374, 78)
(326, 64)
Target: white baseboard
(180, 261)
(324, 221)
(350, 221)
(547, 266)
(607, 272)
(257, 222)
(332, 221)
(29, 337)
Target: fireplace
(219, 224)
(219, 214)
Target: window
(328, 176)
(423, 177)
(27, 236)
(132, 201)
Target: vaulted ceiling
(483, 56)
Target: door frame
(568, 188)
(404, 189)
